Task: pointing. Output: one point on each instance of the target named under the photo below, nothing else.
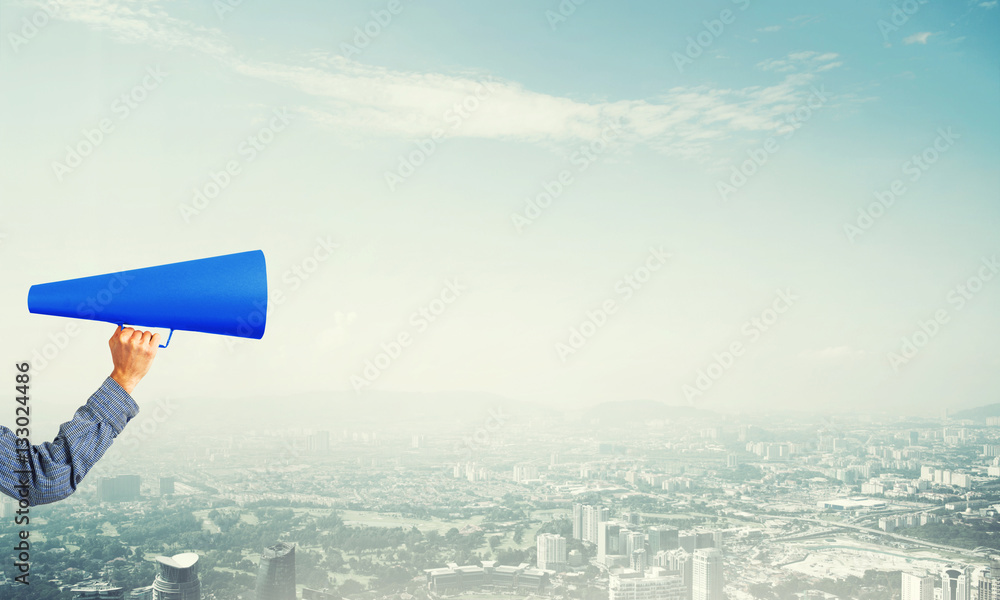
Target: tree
(519, 533)
(350, 586)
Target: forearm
(53, 470)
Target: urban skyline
(580, 505)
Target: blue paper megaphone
(224, 295)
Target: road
(904, 538)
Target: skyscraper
(608, 541)
(8, 506)
(632, 541)
(662, 538)
(577, 521)
(319, 442)
(124, 488)
(178, 578)
(916, 587)
(276, 574)
(551, 550)
(524, 473)
(707, 580)
(955, 584)
(704, 539)
(166, 486)
(986, 584)
(638, 562)
(592, 518)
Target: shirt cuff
(113, 404)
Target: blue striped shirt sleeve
(50, 471)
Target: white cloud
(918, 38)
(806, 61)
(990, 4)
(349, 96)
(802, 20)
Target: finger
(136, 337)
(125, 334)
(156, 340)
(147, 336)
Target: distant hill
(639, 411)
(376, 409)
(979, 413)
(371, 408)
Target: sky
(739, 206)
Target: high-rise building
(593, 516)
(661, 538)
(632, 541)
(551, 551)
(917, 587)
(707, 581)
(638, 562)
(525, 473)
(166, 486)
(704, 539)
(986, 584)
(608, 541)
(143, 593)
(276, 574)
(577, 521)
(124, 488)
(955, 584)
(8, 506)
(319, 442)
(656, 584)
(678, 560)
(178, 578)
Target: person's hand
(132, 352)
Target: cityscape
(464, 498)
